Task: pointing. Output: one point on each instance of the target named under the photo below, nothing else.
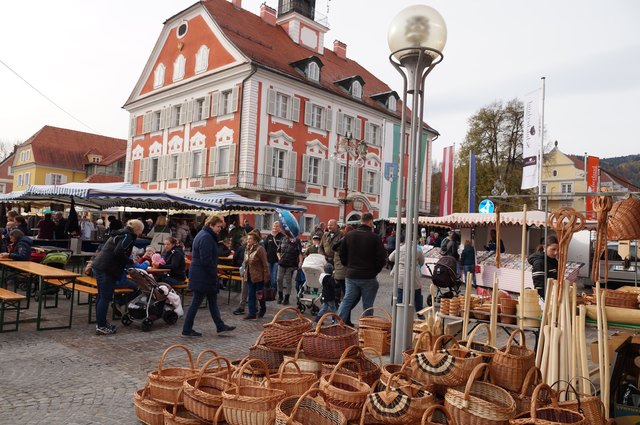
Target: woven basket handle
(472, 378)
(439, 342)
(339, 365)
(400, 373)
(473, 334)
(173, 347)
(326, 316)
(284, 310)
(298, 349)
(283, 367)
(218, 359)
(533, 377)
(512, 338)
(536, 394)
(259, 340)
(354, 348)
(313, 390)
(202, 354)
(593, 386)
(145, 391)
(377, 308)
(421, 337)
(261, 364)
(175, 403)
(372, 350)
(429, 413)
(566, 390)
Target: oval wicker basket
(399, 404)
(148, 411)
(430, 413)
(345, 393)
(623, 222)
(203, 393)
(620, 299)
(293, 383)
(284, 334)
(305, 364)
(511, 364)
(485, 350)
(165, 383)
(308, 410)
(369, 370)
(382, 321)
(326, 344)
(178, 415)
(273, 358)
(549, 415)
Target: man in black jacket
(272, 243)
(364, 255)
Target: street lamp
(416, 38)
(351, 148)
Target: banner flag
(593, 168)
(531, 140)
(472, 182)
(446, 188)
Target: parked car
(621, 271)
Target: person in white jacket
(399, 267)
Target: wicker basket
(479, 403)
(382, 321)
(249, 405)
(369, 369)
(326, 344)
(178, 415)
(307, 410)
(485, 350)
(424, 342)
(448, 367)
(165, 383)
(549, 415)
(293, 383)
(401, 404)
(620, 299)
(588, 405)
(523, 397)
(203, 393)
(511, 364)
(345, 393)
(272, 358)
(378, 339)
(249, 376)
(147, 410)
(304, 363)
(623, 223)
(284, 335)
(430, 417)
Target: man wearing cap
(313, 246)
(329, 238)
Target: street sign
(486, 207)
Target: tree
(495, 137)
(7, 148)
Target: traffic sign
(486, 207)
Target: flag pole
(453, 175)
(541, 161)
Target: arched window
(356, 89)
(391, 103)
(178, 68)
(158, 76)
(313, 71)
(202, 59)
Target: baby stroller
(309, 295)
(59, 260)
(156, 300)
(445, 275)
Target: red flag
(446, 188)
(593, 167)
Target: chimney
(268, 14)
(237, 4)
(340, 49)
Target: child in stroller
(156, 300)
(309, 296)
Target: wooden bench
(10, 301)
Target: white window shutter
(146, 123)
(353, 177)
(178, 165)
(305, 168)
(367, 133)
(295, 111)
(128, 172)
(212, 161)
(190, 111)
(162, 119)
(63, 179)
(325, 175)
(336, 176)
(232, 159)
(293, 159)
(268, 165)
(48, 178)
(167, 116)
(203, 162)
(328, 119)
(185, 158)
(142, 177)
(340, 128)
(358, 132)
(183, 113)
(271, 102)
(376, 183)
(215, 103)
(206, 106)
(307, 113)
(234, 99)
(132, 126)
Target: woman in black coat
(203, 276)
(538, 264)
(174, 261)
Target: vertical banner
(593, 167)
(531, 140)
(446, 189)
(472, 182)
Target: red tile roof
(101, 178)
(578, 161)
(61, 147)
(272, 48)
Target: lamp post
(416, 38)
(351, 148)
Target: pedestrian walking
(203, 276)
(468, 261)
(399, 258)
(271, 244)
(290, 252)
(327, 239)
(256, 274)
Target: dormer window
(313, 71)
(391, 104)
(352, 85)
(202, 59)
(356, 89)
(309, 67)
(389, 99)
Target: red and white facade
(230, 100)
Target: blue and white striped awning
(233, 201)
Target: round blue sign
(486, 207)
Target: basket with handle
(251, 376)
(623, 222)
(250, 405)
(399, 404)
(203, 393)
(479, 403)
(381, 321)
(437, 413)
(326, 344)
(588, 405)
(273, 358)
(308, 410)
(344, 392)
(369, 369)
(448, 367)
(284, 334)
(304, 363)
(148, 411)
(511, 363)
(166, 382)
(200, 360)
(549, 415)
(482, 349)
(424, 342)
(523, 397)
(178, 415)
(620, 299)
(293, 383)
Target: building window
(283, 106)
(27, 179)
(314, 170)
(356, 89)
(278, 163)
(176, 112)
(182, 29)
(158, 76)
(267, 221)
(566, 188)
(317, 116)
(201, 109)
(223, 160)
(173, 166)
(178, 68)
(544, 189)
(202, 59)
(153, 172)
(309, 224)
(55, 179)
(313, 71)
(196, 163)
(20, 179)
(342, 176)
(555, 173)
(372, 134)
(391, 103)
(370, 182)
(155, 121)
(25, 155)
(227, 97)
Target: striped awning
(233, 201)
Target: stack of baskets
(375, 330)
(508, 308)
(445, 306)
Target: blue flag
(472, 182)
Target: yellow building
(55, 156)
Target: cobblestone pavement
(71, 376)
